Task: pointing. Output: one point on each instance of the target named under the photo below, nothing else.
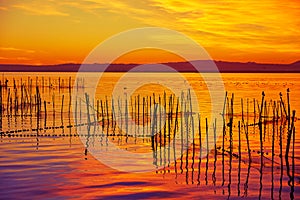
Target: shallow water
(53, 163)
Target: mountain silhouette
(224, 67)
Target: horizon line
(137, 63)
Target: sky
(65, 31)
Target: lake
(149, 136)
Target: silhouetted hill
(225, 67)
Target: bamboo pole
(62, 110)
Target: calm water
(55, 163)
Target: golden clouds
(261, 31)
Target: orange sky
(51, 32)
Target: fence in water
(256, 133)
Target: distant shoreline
(223, 72)
(184, 67)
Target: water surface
(53, 163)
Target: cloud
(23, 58)
(233, 24)
(42, 8)
(16, 49)
(15, 58)
(223, 27)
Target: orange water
(54, 165)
